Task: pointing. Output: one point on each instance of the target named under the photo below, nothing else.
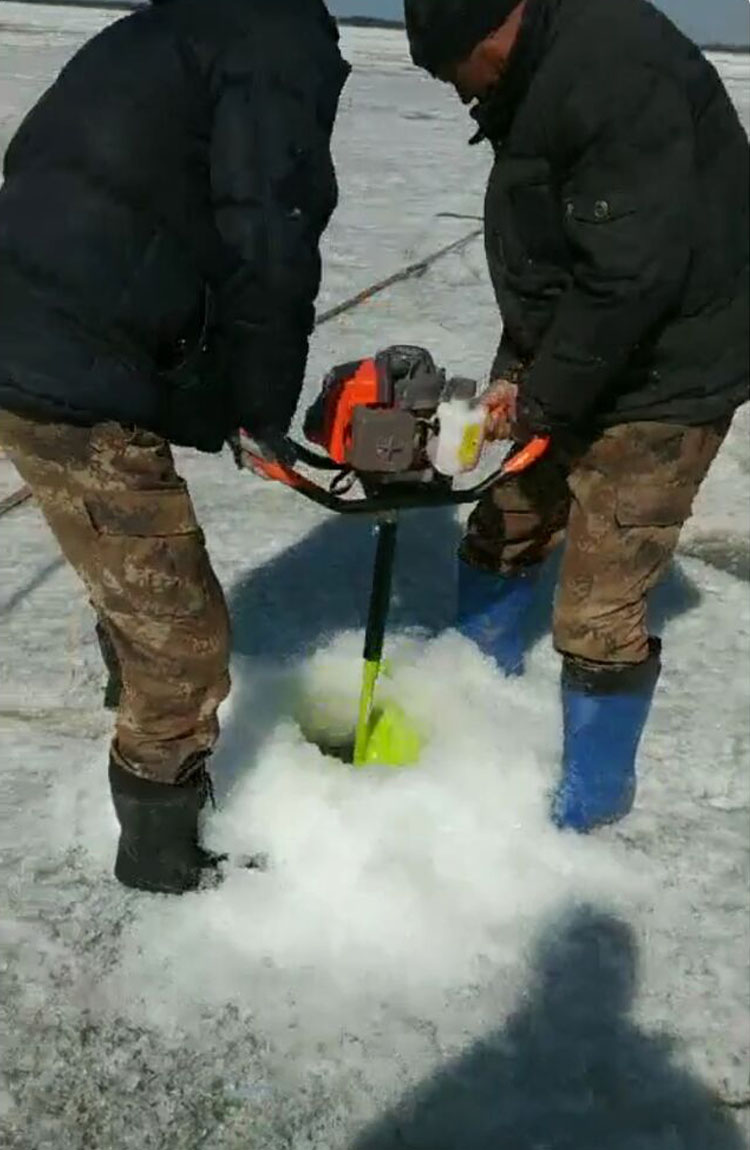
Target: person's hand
(261, 453)
(500, 401)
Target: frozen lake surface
(428, 965)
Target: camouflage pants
(125, 521)
(620, 504)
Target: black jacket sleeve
(274, 189)
(507, 358)
(627, 215)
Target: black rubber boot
(159, 849)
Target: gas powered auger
(399, 430)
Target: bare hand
(263, 456)
(501, 403)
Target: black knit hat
(446, 31)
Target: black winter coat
(617, 219)
(178, 169)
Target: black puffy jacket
(173, 183)
(617, 219)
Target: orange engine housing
(344, 394)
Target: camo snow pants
(124, 520)
(620, 503)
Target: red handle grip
(277, 472)
(527, 456)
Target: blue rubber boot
(604, 715)
(491, 612)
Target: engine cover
(375, 415)
(383, 441)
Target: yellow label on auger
(471, 446)
(458, 446)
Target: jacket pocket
(524, 214)
(604, 209)
(538, 221)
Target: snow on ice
(427, 964)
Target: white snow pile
(399, 882)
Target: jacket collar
(494, 115)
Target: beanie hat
(446, 31)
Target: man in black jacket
(617, 240)
(160, 223)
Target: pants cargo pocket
(151, 558)
(654, 505)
